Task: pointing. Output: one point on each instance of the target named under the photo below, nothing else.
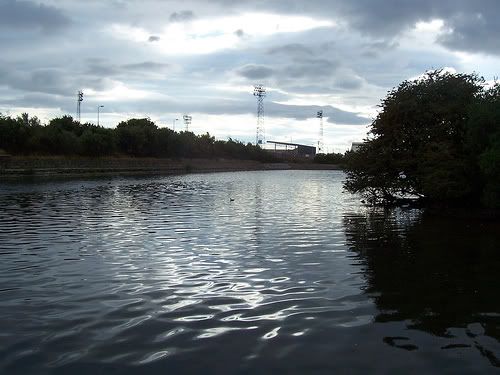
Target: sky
(163, 59)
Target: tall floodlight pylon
(260, 93)
(187, 121)
(79, 100)
(319, 115)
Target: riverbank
(19, 166)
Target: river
(244, 272)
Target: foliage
(137, 137)
(332, 158)
(134, 137)
(434, 138)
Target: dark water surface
(168, 275)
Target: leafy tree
(489, 163)
(137, 137)
(11, 134)
(332, 158)
(419, 142)
(67, 124)
(97, 141)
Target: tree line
(436, 138)
(26, 135)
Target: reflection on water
(435, 275)
(238, 272)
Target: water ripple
(136, 272)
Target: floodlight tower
(319, 115)
(187, 121)
(260, 93)
(79, 100)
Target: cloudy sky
(162, 59)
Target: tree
(137, 137)
(483, 141)
(418, 142)
(97, 141)
(332, 158)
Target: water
(252, 272)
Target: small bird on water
(231, 199)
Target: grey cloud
(375, 48)
(255, 71)
(383, 45)
(293, 49)
(302, 112)
(304, 68)
(385, 18)
(310, 88)
(318, 61)
(40, 100)
(311, 68)
(53, 81)
(183, 16)
(474, 24)
(28, 15)
(102, 68)
(239, 104)
(154, 38)
(370, 54)
(147, 66)
(349, 82)
(478, 32)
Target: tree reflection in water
(434, 274)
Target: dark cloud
(358, 60)
(479, 32)
(183, 16)
(387, 17)
(253, 72)
(473, 24)
(27, 15)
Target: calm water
(253, 272)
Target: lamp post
(98, 108)
(173, 123)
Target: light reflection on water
(230, 272)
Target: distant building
(285, 150)
(356, 146)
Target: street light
(173, 123)
(98, 108)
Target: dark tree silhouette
(434, 138)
